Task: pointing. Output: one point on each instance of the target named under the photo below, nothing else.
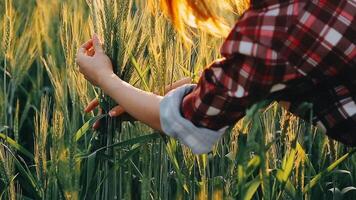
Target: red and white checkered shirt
(297, 50)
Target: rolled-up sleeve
(250, 70)
(198, 139)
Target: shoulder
(258, 29)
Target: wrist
(105, 79)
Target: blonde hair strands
(207, 15)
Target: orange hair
(200, 14)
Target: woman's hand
(114, 112)
(118, 110)
(93, 63)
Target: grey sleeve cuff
(200, 140)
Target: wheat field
(49, 150)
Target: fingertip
(89, 108)
(112, 113)
(96, 125)
(86, 45)
(120, 112)
(92, 104)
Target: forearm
(144, 106)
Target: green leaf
(171, 148)
(289, 164)
(288, 186)
(6, 186)
(336, 193)
(282, 175)
(16, 146)
(125, 157)
(347, 189)
(326, 172)
(252, 165)
(251, 188)
(139, 72)
(137, 140)
(81, 132)
(25, 172)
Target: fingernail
(112, 113)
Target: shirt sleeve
(251, 69)
(198, 139)
(228, 87)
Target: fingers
(116, 111)
(96, 125)
(90, 52)
(93, 104)
(84, 47)
(90, 47)
(87, 45)
(97, 44)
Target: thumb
(97, 44)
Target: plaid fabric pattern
(298, 50)
(198, 139)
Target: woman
(295, 51)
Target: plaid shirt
(297, 50)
